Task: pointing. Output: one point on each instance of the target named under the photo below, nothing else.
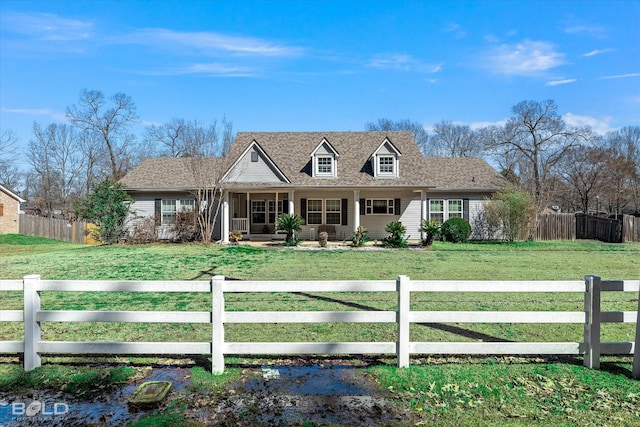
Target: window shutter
(363, 207)
(1, 209)
(303, 209)
(428, 208)
(158, 212)
(396, 207)
(345, 215)
(465, 209)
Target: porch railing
(240, 224)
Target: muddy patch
(300, 395)
(53, 408)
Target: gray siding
(247, 171)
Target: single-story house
(335, 181)
(9, 211)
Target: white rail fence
(591, 317)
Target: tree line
(570, 168)
(560, 165)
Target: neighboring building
(9, 211)
(334, 180)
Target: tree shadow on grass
(439, 326)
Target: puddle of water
(285, 395)
(58, 409)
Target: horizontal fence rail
(592, 287)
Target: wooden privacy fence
(553, 226)
(55, 228)
(591, 317)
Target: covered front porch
(255, 214)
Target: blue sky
(322, 65)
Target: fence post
(32, 333)
(217, 319)
(592, 322)
(402, 317)
(636, 352)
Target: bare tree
(55, 157)
(457, 140)
(538, 137)
(625, 143)
(582, 171)
(419, 133)
(208, 166)
(111, 119)
(10, 175)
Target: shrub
(360, 237)
(107, 206)
(456, 230)
(396, 238)
(290, 224)
(430, 229)
(513, 210)
(235, 236)
(186, 226)
(144, 231)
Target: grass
(494, 390)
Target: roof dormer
(385, 160)
(324, 160)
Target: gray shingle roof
(291, 151)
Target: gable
(254, 166)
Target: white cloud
(456, 29)
(47, 26)
(527, 58)
(592, 30)
(211, 69)
(402, 62)
(620, 76)
(601, 126)
(36, 112)
(209, 42)
(560, 82)
(597, 52)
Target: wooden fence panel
(556, 227)
(630, 228)
(54, 228)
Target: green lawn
(545, 394)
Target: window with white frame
(455, 209)
(314, 211)
(379, 207)
(333, 211)
(441, 210)
(273, 214)
(386, 165)
(171, 207)
(258, 212)
(324, 165)
(436, 211)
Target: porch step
(258, 237)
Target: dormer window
(385, 161)
(386, 165)
(324, 161)
(324, 165)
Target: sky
(321, 65)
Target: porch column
(248, 210)
(291, 204)
(423, 211)
(225, 217)
(356, 210)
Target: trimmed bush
(396, 238)
(455, 230)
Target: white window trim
(378, 166)
(178, 203)
(368, 203)
(259, 212)
(331, 165)
(323, 212)
(445, 208)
